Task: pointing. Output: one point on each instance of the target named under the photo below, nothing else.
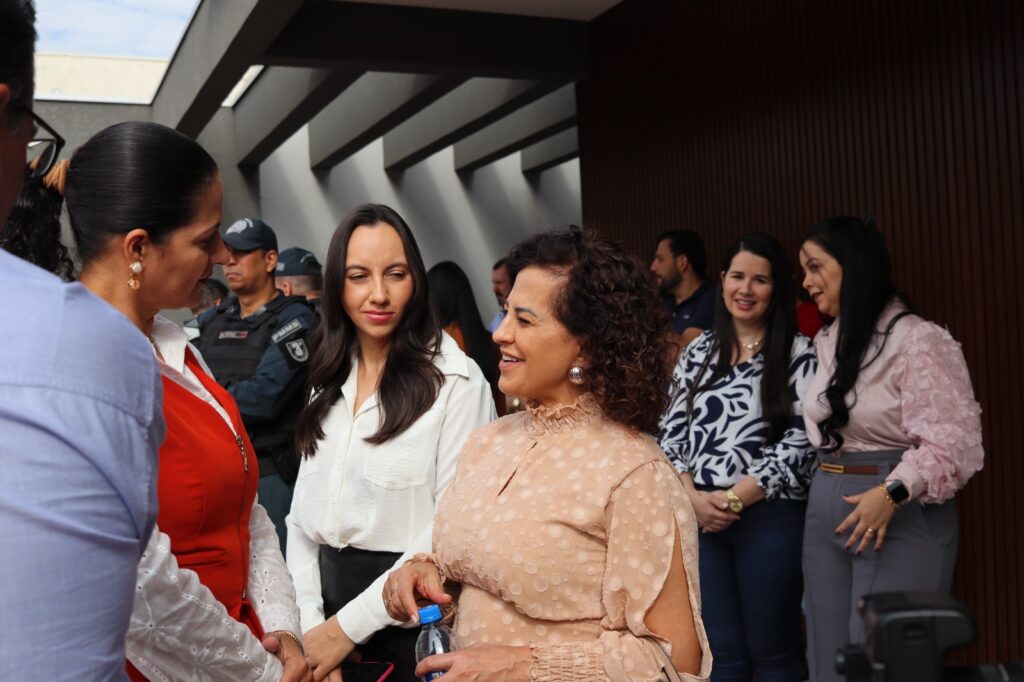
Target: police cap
(295, 262)
(249, 234)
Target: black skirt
(344, 574)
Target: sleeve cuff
(566, 662)
(362, 617)
(908, 476)
(310, 617)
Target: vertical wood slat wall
(732, 116)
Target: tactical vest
(233, 348)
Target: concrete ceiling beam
(326, 33)
(373, 105)
(471, 107)
(531, 124)
(551, 152)
(221, 42)
(280, 102)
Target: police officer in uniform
(255, 344)
(299, 273)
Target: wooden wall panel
(730, 116)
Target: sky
(128, 28)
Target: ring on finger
(387, 603)
(870, 531)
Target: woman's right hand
(711, 510)
(415, 578)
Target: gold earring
(133, 281)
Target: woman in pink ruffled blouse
(566, 533)
(893, 414)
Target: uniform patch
(287, 330)
(236, 335)
(297, 350)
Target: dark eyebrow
(524, 309)
(359, 266)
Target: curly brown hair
(610, 304)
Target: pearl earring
(576, 375)
(133, 281)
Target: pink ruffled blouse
(560, 526)
(916, 396)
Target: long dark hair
(452, 296)
(867, 288)
(779, 330)
(608, 302)
(33, 231)
(410, 381)
(133, 175)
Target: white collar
(450, 360)
(171, 340)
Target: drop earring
(576, 375)
(133, 281)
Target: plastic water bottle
(435, 638)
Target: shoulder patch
(287, 330)
(297, 350)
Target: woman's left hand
(869, 519)
(480, 663)
(327, 646)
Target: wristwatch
(898, 492)
(735, 503)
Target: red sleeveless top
(206, 486)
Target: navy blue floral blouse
(725, 438)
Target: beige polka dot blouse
(560, 526)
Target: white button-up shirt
(379, 497)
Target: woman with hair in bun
(214, 599)
(566, 533)
(893, 415)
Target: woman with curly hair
(566, 531)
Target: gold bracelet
(885, 491)
(290, 636)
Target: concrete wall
(473, 221)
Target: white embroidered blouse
(179, 630)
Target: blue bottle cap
(430, 614)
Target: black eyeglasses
(44, 148)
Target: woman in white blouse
(392, 402)
(214, 600)
(735, 431)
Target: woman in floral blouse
(735, 432)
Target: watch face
(898, 492)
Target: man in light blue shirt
(80, 426)
(501, 282)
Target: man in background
(299, 273)
(680, 264)
(501, 283)
(255, 345)
(81, 423)
(212, 293)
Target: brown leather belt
(866, 470)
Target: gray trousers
(919, 554)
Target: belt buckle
(832, 468)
